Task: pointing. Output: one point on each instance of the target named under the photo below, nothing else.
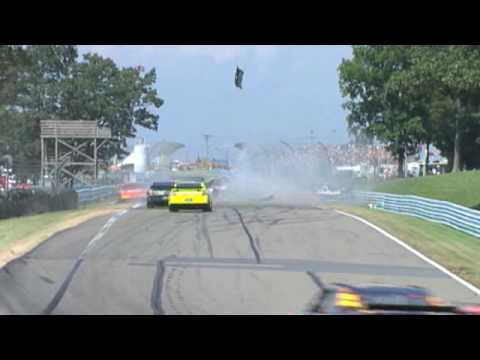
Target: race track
(239, 259)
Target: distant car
(217, 186)
(158, 193)
(327, 191)
(23, 186)
(132, 191)
(187, 178)
(189, 195)
(341, 299)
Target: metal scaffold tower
(70, 147)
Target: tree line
(52, 82)
(406, 95)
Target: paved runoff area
(258, 258)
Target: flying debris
(238, 77)
(240, 146)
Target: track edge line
(415, 252)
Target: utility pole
(207, 137)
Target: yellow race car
(189, 195)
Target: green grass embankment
(461, 188)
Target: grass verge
(460, 188)
(19, 235)
(458, 252)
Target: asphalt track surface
(238, 259)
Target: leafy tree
(51, 66)
(14, 62)
(454, 72)
(376, 105)
(49, 82)
(425, 102)
(120, 99)
(34, 86)
(407, 94)
(14, 132)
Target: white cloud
(224, 53)
(265, 52)
(219, 53)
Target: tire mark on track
(7, 270)
(315, 279)
(227, 219)
(68, 279)
(275, 222)
(173, 292)
(170, 277)
(198, 236)
(206, 235)
(168, 237)
(156, 297)
(257, 242)
(179, 294)
(250, 238)
(47, 279)
(63, 288)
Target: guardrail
(444, 212)
(89, 195)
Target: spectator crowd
(351, 155)
(317, 159)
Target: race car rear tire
(149, 205)
(172, 209)
(208, 208)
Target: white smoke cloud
(219, 53)
(269, 174)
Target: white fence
(89, 195)
(444, 212)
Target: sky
(288, 91)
